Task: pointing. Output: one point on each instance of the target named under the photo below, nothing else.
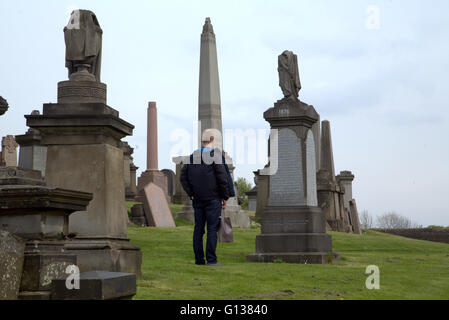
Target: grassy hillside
(409, 269)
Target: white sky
(385, 91)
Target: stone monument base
(296, 257)
(293, 234)
(109, 254)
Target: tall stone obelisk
(209, 101)
(209, 117)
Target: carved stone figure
(289, 75)
(83, 40)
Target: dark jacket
(206, 180)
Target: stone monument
(9, 151)
(39, 215)
(83, 135)
(32, 154)
(152, 174)
(171, 182)
(209, 116)
(293, 226)
(330, 193)
(129, 170)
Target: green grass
(409, 269)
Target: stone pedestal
(293, 227)
(32, 155)
(83, 135)
(39, 215)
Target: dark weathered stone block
(96, 285)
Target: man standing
(206, 181)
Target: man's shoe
(215, 264)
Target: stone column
(152, 146)
(152, 174)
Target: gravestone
(156, 209)
(138, 215)
(252, 199)
(12, 250)
(9, 151)
(171, 182)
(82, 134)
(292, 225)
(180, 196)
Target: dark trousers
(206, 212)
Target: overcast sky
(377, 70)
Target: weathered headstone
(138, 215)
(292, 225)
(9, 151)
(82, 134)
(156, 208)
(171, 182)
(252, 199)
(12, 250)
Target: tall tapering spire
(209, 102)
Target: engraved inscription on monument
(286, 186)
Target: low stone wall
(429, 234)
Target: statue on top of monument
(83, 41)
(208, 28)
(289, 75)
